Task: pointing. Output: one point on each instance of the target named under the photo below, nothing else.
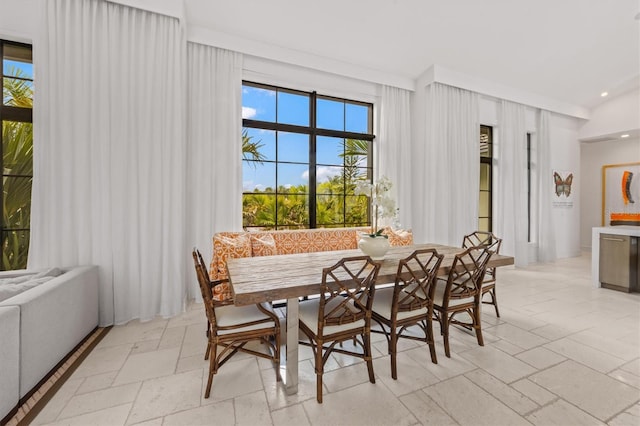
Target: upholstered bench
(268, 243)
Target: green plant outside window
(17, 152)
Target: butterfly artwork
(563, 186)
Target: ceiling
(567, 50)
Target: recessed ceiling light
(603, 94)
(626, 135)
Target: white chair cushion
(439, 295)
(235, 315)
(382, 305)
(309, 316)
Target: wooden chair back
(206, 286)
(484, 239)
(347, 291)
(467, 273)
(415, 281)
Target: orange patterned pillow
(315, 240)
(399, 237)
(263, 245)
(222, 292)
(227, 245)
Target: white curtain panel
(394, 148)
(214, 112)
(546, 232)
(446, 169)
(110, 154)
(510, 181)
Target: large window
(17, 152)
(486, 179)
(302, 154)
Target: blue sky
(10, 68)
(27, 69)
(292, 108)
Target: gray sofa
(40, 326)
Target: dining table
(293, 276)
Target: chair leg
(431, 341)
(319, 371)
(445, 333)
(276, 356)
(478, 324)
(206, 353)
(366, 339)
(212, 368)
(393, 346)
(494, 299)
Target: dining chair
(460, 292)
(489, 240)
(341, 313)
(232, 327)
(409, 303)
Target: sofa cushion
(10, 287)
(263, 245)
(315, 240)
(398, 237)
(227, 245)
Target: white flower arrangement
(382, 205)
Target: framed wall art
(562, 188)
(621, 194)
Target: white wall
(19, 19)
(565, 155)
(620, 114)
(594, 155)
(261, 70)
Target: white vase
(374, 247)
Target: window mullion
(312, 162)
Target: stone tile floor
(562, 353)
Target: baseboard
(32, 403)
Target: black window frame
(15, 114)
(529, 192)
(313, 131)
(488, 160)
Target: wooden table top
(268, 278)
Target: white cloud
(323, 174)
(248, 112)
(249, 185)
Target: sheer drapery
(446, 169)
(546, 232)
(394, 147)
(109, 154)
(214, 145)
(510, 181)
